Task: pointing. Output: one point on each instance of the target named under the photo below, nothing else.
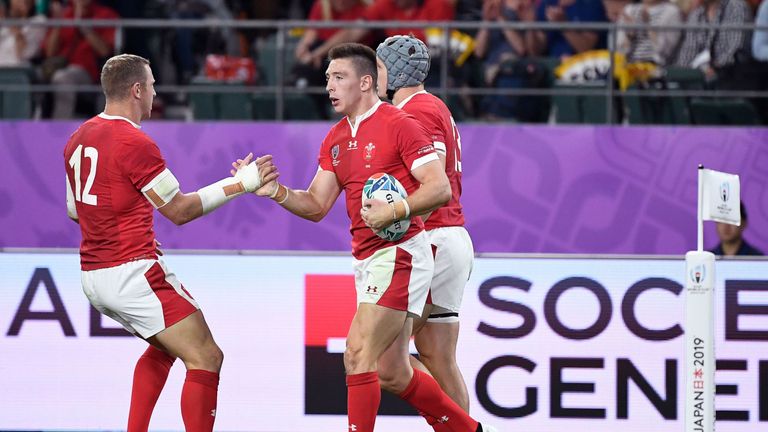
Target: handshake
(257, 176)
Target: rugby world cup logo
(725, 191)
(698, 274)
(335, 151)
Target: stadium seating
(207, 105)
(731, 111)
(17, 103)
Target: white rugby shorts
(144, 296)
(398, 276)
(454, 257)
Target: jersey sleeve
(141, 161)
(414, 143)
(430, 119)
(325, 159)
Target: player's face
(148, 95)
(343, 86)
(381, 85)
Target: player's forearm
(301, 203)
(188, 208)
(428, 198)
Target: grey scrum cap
(407, 61)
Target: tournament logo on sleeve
(329, 307)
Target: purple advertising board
(528, 189)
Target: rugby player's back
(108, 161)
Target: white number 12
(75, 162)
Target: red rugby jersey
(436, 118)
(108, 161)
(384, 140)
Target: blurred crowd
(486, 56)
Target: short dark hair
(362, 56)
(120, 73)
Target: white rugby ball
(384, 187)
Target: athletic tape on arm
(161, 189)
(216, 195)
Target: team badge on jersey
(370, 152)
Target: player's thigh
(454, 258)
(437, 339)
(393, 364)
(144, 296)
(373, 329)
(396, 277)
(189, 339)
(420, 321)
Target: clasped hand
(377, 214)
(259, 176)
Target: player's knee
(352, 358)
(427, 350)
(393, 379)
(208, 358)
(216, 357)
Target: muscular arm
(183, 208)
(186, 207)
(434, 192)
(315, 202)
(441, 156)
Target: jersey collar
(406, 100)
(362, 117)
(111, 117)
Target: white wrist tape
(165, 186)
(215, 195)
(250, 176)
(407, 209)
(274, 193)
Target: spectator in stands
(614, 9)
(564, 43)
(327, 10)
(732, 238)
(760, 37)
(20, 44)
(687, 6)
(73, 54)
(658, 47)
(307, 73)
(191, 45)
(468, 10)
(496, 45)
(499, 49)
(714, 49)
(387, 10)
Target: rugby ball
(384, 187)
